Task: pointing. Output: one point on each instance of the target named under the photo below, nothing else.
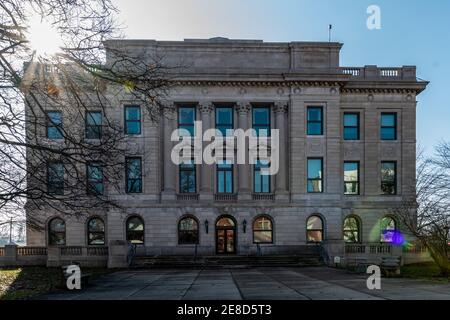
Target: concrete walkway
(256, 283)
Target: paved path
(256, 283)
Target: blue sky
(412, 33)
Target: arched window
(135, 230)
(188, 231)
(57, 232)
(96, 232)
(351, 230)
(314, 229)
(262, 230)
(388, 229)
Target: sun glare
(43, 37)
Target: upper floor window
(96, 232)
(351, 230)
(54, 125)
(186, 119)
(224, 119)
(388, 230)
(224, 177)
(132, 119)
(351, 126)
(133, 175)
(135, 230)
(315, 175)
(93, 128)
(261, 182)
(314, 229)
(95, 178)
(351, 178)
(188, 231)
(261, 121)
(262, 230)
(187, 177)
(315, 121)
(388, 126)
(57, 232)
(389, 177)
(55, 178)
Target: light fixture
(206, 225)
(244, 225)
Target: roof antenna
(329, 32)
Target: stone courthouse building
(347, 147)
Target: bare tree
(76, 80)
(427, 215)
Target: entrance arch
(226, 235)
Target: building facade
(347, 147)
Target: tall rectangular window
(261, 121)
(224, 119)
(133, 175)
(186, 119)
(132, 119)
(261, 182)
(55, 178)
(388, 129)
(315, 121)
(187, 177)
(54, 125)
(351, 126)
(93, 126)
(315, 175)
(351, 178)
(94, 172)
(389, 177)
(224, 177)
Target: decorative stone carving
(280, 107)
(333, 91)
(297, 90)
(280, 91)
(370, 97)
(243, 107)
(206, 107)
(242, 91)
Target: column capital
(205, 106)
(280, 106)
(243, 107)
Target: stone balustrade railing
(406, 73)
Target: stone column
(281, 192)
(244, 189)
(170, 169)
(206, 171)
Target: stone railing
(31, 251)
(2, 252)
(187, 197)
(226, 197)
(263, 197)
(407, 73)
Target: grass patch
(27, 282)
(425, 270)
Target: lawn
(426, 270)
(27, 282)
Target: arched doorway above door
(225, 235)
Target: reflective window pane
(188, 231)
(315, 121)
(54, 125)
(57, 232)
(133, 175)
(315, 175)
(351, 230)
(388, 178)
(132, 119)
(351, 178)
(135, 230)
(55, 178)
(388, 128)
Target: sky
(413, 32)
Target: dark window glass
(55, 178)
(314, 229)
(388, 126)
(95, 178)
(186, 119)
(132, 119)
(96, 232)
(225, 177)
(315, 175)
(351, 126)
(135, 230)
(315, 121)
(133, 175)
(261, 121)
(188, 231)
(262, 230)
(388, 230)
(261, 182)
(54, 125)
(57, 232)
(187, 177)
(351, 178)
(389, 177)
(224, 120)
(351, 230)
(93, 125)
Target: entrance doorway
(225, 235)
